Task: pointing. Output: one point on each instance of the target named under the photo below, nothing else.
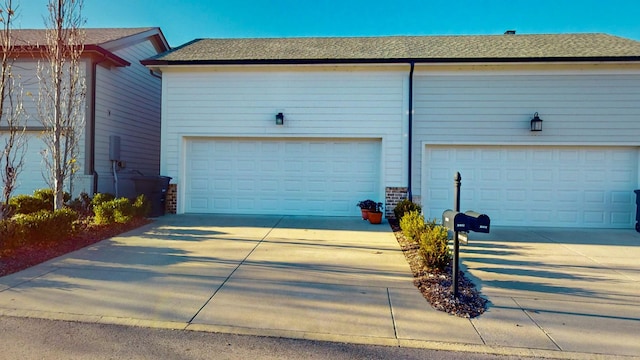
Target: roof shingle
(93, 36)
(402, 48)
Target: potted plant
(366, 206)
(375, 215)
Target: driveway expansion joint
(234, 270)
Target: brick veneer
(393, 195)
(171, 200)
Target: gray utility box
(154, 189)
(637, 210)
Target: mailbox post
(458, 222)
(457, 180)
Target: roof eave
(152, 33)
(88, 50)
(159, 62)
(106, 54)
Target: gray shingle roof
(559, 47)
(93, 36)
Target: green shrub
(44, 225)
(404, 207)
(42, 199)
(10, 236)
(100, 198)
(141, 206)
(412, 225)
(82, 205)
(47, 196)
(117, 210)
(434, 248)
(27, 204)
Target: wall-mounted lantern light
(536, 123)
(279, 119)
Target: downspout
(410, 135)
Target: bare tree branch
(62, 93)
(12, 115)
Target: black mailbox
(478, 222)
(455, 221)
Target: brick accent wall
(393, 195)
(171, 201)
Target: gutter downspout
(410, 135)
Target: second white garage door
(281, 176)
(535, 186)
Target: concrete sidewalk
(342, 279)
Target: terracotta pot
(365, 214)
(375, 217)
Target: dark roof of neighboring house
(97, 40)
(390, 49)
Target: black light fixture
(536, 123)
(280, 119)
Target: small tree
(62, 93)
(12, 125)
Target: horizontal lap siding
(26, 91)
(330, 104)
(497, 108)
(128, 102)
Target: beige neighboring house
(388, 117)
(122, 105)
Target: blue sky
(184, 20)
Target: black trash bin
(155, 190)
(637, 209)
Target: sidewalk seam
(234, 270)
(473, 325)
(393, 318)
(53, 268)
(538, 325)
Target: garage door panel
(220, 203)
(621, 218)
(281, 176)
(559, 186)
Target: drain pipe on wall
(410, 135)
(115, 176)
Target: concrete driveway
(561, 289)
(289, 276)
(553, 293)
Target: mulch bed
(435, 285)
(14, 260)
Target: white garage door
(281, 176)
(535, 186)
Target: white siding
(25, 75)
(33, 172)
(128, 105)
(32, 177)
(495, 109)
(322, 104)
